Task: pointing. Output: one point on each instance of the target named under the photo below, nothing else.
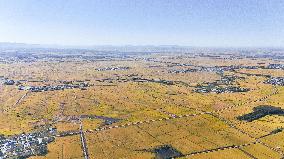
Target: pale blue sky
(142, 22)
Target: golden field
(148, 114)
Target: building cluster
(82, 86)
(171, 64)
(7, 81)
(135, 78)
(219, 89)
(161, 81)
(112, 68)
(16, 57)
(275, 66)
(217, 69)
(63, 85)
(275, 81)
(228, 80)
(224, 85)
(26, 145)
(183, 70)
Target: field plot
(275, 141)
(223, 154)
(66, 147)
(261, 151)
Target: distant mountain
(137, 48)
(123, 48)
(18, 45)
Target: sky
(217, 23)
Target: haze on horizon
(225, 23)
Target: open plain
(192, 104)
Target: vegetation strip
(146, 121)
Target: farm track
(165, 112)
(17, 102)
(145, 122)
(84, 143)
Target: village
(224, 85)
(275, 81)
(112, 68)
(26, 144)
(81, 86)
(65, 85)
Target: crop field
(154, 105)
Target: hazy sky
(142, 22)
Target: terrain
(191, 103)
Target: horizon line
(134, 45)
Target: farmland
(141, 105)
